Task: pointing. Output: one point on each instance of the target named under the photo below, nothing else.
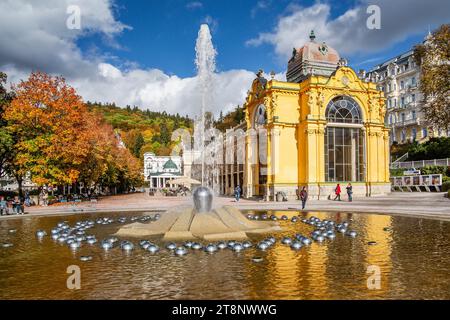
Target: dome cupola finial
(312, 36)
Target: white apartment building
(399, 79)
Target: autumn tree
(433, 56)
(134, 140)
(48, 117)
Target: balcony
(405, 123)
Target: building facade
(160, 169)
(322, 127)
(399, 79)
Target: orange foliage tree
(61, 142)
(48, 116)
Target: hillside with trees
(230, 120)
(142, 130)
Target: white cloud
(156, 90)
(194, 5)
(348, 32)
(36, 38)
(260, 5)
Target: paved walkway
(428, 205)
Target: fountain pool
(413, 256)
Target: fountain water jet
(206, 66)
(201, 222)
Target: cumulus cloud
(156, 90)
(36, 38)
(348, 33)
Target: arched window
(344, 141)
(343, 110)
(260, 116)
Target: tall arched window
(343, 110)
(344, 141)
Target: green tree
(434, 58)
(139, 143)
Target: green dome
(170, 165)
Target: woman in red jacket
(338, 192)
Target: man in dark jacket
(303, 197)
(237, 192)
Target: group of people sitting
(14, 206)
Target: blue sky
(142, 52)
(163, 34)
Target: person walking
(27, 199)
(337, 191)
(3, 206)
(349, 192)
(237, 192)
(303, 197)
(45, 198)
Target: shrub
(446, 186)
(397, 172)
(434, 170)
(435, 148)
(8, 194)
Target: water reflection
(413, 256)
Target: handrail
(420, 163)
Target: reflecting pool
(412, 255)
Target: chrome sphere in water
(342, 230)
(352, 234)
(85, 258)
(238, 247)
(331, 235)
(231, 244)
(127, 246)
(263, 246)
(106, 245)
(171, 246)
(296, 245)
(153, 248)
(75, 245)
(221, 245)
(203, 198)
(319, 238)
(91, 241)
(247, 244)
(181, 251)
(286, 240)
(211, 248)
(41, 233)
(196, 246)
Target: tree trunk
(20, 183)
